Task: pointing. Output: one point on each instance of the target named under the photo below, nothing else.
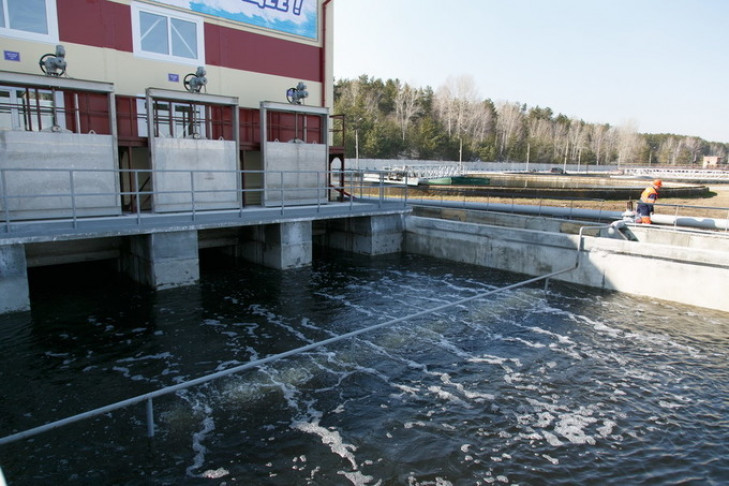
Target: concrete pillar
(370, 235)
(281, 246)
(162, 260)
(14, 294)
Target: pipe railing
(149, 397)
(677, 207)
(42, 194)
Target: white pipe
(687, 221)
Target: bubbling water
(566, 386)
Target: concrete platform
(690, 267)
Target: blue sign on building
(11, 56)
(298, 17)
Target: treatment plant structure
(142, 131)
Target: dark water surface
(524, 387)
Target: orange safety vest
(649, 195)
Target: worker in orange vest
(647, 199)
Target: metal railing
(149, 397)
(74, 195)
(723, 212)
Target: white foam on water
(552, 439)
(346, 303)
(357, 478)
(559, 337)
(406, 389)
(447, 396)
(471, 395)
(208, 425)
(250, 328)
(212, 322)
(146, 357)
(551, 459)
(607, 428)
(215, 473)
(525, 342)
(494, 360)
(333, 439)
(572, 426)
(227, 364)
(276, 320)
(413, 481)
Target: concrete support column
(370, 235)
(281, 246)
(14, 294)
(162, 260)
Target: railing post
(382, 188)
(137, 196)
(4, 186)
(150, 418)
(73, 198)
(282, 191)
(317, 189)
(192, 192)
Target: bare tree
(540, 135)
(693, 148)
(458, 106)
(576, 136)
(628, 142)
(406, 106)
(509, 124)
(667, 150)
(598, 141)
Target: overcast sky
(662, 65)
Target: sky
(661, 66)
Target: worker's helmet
(658, 183)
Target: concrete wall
(213, 190)
(295, 173)
(370, 235)
(40, 193)
(281, 246)
(694, 275)
(14, 293)
(162, 260)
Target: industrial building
(143, 131)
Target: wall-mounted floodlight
(194, 82)
(54, 64)
(297, 94)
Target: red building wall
(100, 23)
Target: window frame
(20, 105)
(51, 25)
(187, 120)
(139, 8)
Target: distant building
(713, 161)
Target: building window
(167, 35)
(29, 19)
(31, 109)
(174, 120)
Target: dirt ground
(716, 205)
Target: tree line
(391, 119)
